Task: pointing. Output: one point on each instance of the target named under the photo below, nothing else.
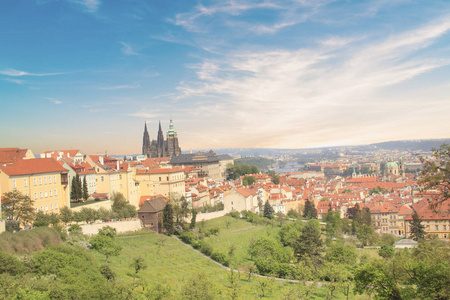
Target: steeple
(171, 130)
(146, 142)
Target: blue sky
(87, 74)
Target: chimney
(118, 165)
(100, 158)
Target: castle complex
(161, 147)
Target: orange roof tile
(33, 166)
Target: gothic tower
(173, 148)
(146, 142)
(160, 143)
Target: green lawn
(174, 263)
(240, 233)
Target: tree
(18, 207)
(436, 174)
(168, 218)
(310, 245)
(248, 180)
(41, 219)
(275, 179)
(334, 223)
(65, 214)
(79, 188)
(118, 201)
(73, 189)
(200, 286)
(138, 264)
(85, 189)
(310, 211)
(194, 216)
(417, 229)
(105, 243)
(268, 210)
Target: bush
(26, 241)
(206, 248)
(187, 237)
(220, 258)
(235, 214)
(214, 230)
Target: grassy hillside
(170, 261)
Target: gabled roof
(33, 166)
(11, 155)
(153, 205)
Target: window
(56, 205)
(46, 194)
(46, 208)
(14, 184)
(42, 209)
(50, 193)
(102, 179)
(34, 181)
(167, 178)
(51, 206)
(49, 179)
(120, 176)
(35, 195)
(54, 178)
(25, 182)
(159, 178)
(436, 227)
(40, 180)
(45, 180)
(36, 210)
(40, 195)
(56, 193)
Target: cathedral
(161, 147)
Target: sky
(88, 74)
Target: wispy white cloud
(321, 91)
(88, 5)
(53, 100)
(17, 81)
(17, 73)
(127, 49)
(119, 87)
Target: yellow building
(44, 180)
(166, 182)
(112, 176)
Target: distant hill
(412, 145)
(259, 162)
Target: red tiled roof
(160, 171)
(10, 155)
(33, 166)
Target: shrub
(187, 237)
(214, 230)
(26, 241)
(220, 258)
(206, 248)
(235, 214)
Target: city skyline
(87, 74)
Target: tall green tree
(105, 243)
(73, 189)
(310, 211)
(168, 218)
(85, 189)
(268, 210)
(334, 223)
(417, 229)
(310, 245)
(18, 207)
(79, 188)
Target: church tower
(146, 142)
(160, 143)
(173, 148)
